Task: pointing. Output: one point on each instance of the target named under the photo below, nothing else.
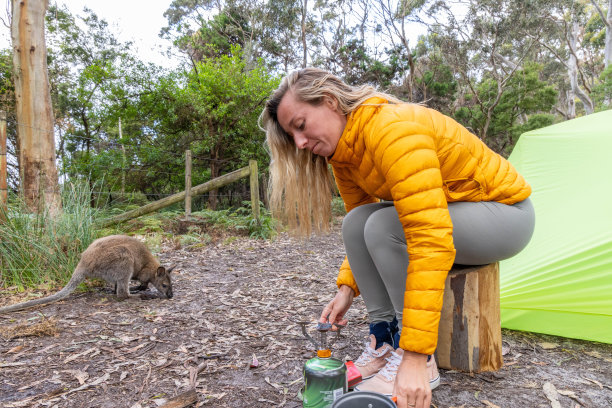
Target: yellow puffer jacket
(421, 160)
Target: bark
(39, 180)
(608, 48)
(607, 20)
(572, 69)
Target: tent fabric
(561, 283)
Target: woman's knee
(354, 221)
(383, 228)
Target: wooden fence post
(254, 189)
(3, 171)
(187, 183)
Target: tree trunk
(608, 48)
(39, 181)
(607, 20)
(572, 69)
(304, 11)
(571, 105)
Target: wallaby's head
(163, 282)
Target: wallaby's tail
(77, 277)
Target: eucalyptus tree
(394, 18)
(434, 81)
(568, 42)
(287, 25)
(602, 92)
(339, 38)
(347, 41)
(606, 19)
(273, 29)
(480, 47)
(34, 113)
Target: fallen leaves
(551, 393)
(596, 354)
(600, 385)
(16, 349)
(94, 351)
(229, 335)
(95, 382)
(548, 346)
(80, 375)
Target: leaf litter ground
(231, 332)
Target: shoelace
(368, 354)
(389, 371)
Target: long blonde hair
(301, 186)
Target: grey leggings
(483, 232)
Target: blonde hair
(301, 186)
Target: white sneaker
(371, 361)
(384, 381)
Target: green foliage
(241, 220)
(7, 89)
(37, 248)
(434, 78)
(94, 81)
(213, 111)
(262, 228)
(215, 37)
(269, 29)
(338, 208)
(524, 94)
(595, 31)
(602, 92)
(358, 67)
(536, 121)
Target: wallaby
(117, 259)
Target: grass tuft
(37, 248)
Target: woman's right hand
(336, 309)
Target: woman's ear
(331, 102)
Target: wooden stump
(469, 336)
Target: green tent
(561, 283)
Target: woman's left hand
(412, 382)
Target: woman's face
(314, 127)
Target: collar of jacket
(344, 155)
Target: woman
(421, 192)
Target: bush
(241, 220)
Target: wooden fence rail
(250, 170)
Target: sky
(137, 20)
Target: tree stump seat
(469, 337)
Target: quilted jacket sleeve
(353, 196)
(405, 154)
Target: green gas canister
(324, 377)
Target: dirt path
(237, 300)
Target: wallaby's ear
(160, 271)
(170, 269)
